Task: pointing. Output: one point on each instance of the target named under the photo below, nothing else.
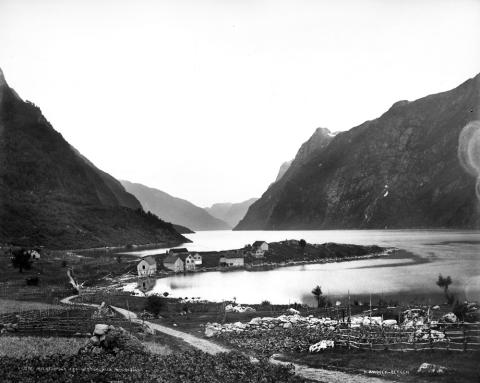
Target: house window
(143, 266)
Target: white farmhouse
(197, 258)
(174, 263)
(259, 248)
(232, 260)
(146, 267)
(188, 262)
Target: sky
(204, 99)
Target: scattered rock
(431, 369)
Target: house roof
(184, 256)
(178, 251)
(258, 243)
(149, 260)
(171, 259)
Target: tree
(318, 294)
(302, 243)
(444, 283)
(21, 260)
(154, 304)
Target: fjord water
(409, 276)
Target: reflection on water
(454, 253)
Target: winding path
(316, 374)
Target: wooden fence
(457, 337)
(65, 326)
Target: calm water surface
(454, 253)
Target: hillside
(229, 212)
(173, 209)
(400, 170)
(51, 195)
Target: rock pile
(111, 339)
(8, 327)
(239, 309)
(268, 323)
(103, 311)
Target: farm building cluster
(181, 260)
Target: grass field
(11, 306)
(32, 346)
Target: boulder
(322, 345)
(101, 329)
(256, 320)
(293, 311)
(212, 330)
(287, 325)
(431, 369)
(450, 318)
(389, 322)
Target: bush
(32, 281)
(265, 303)
(154, 304)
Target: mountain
(400, 170)
(231, 213)
(53, 196)
(174, 209)
(283, 169)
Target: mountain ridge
(174, 209)
(400, 170)
(51, 195)
(230, 212)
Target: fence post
(348, 336)
(464, 337)
(414, 340)
(430, 336)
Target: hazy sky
(205, 99)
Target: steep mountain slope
(51, 195)
(283, 169)
(400, 170)
(174, 209)
(229, 212)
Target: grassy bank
(398, 366)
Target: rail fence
(449, 337)
(63, 326)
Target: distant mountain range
(53, 196)
(229, 212)
(174, 209)
(400, 170)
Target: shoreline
(263, 267)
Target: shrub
(21, 260)
(32, 281)
(154, 304)
(265, 303)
